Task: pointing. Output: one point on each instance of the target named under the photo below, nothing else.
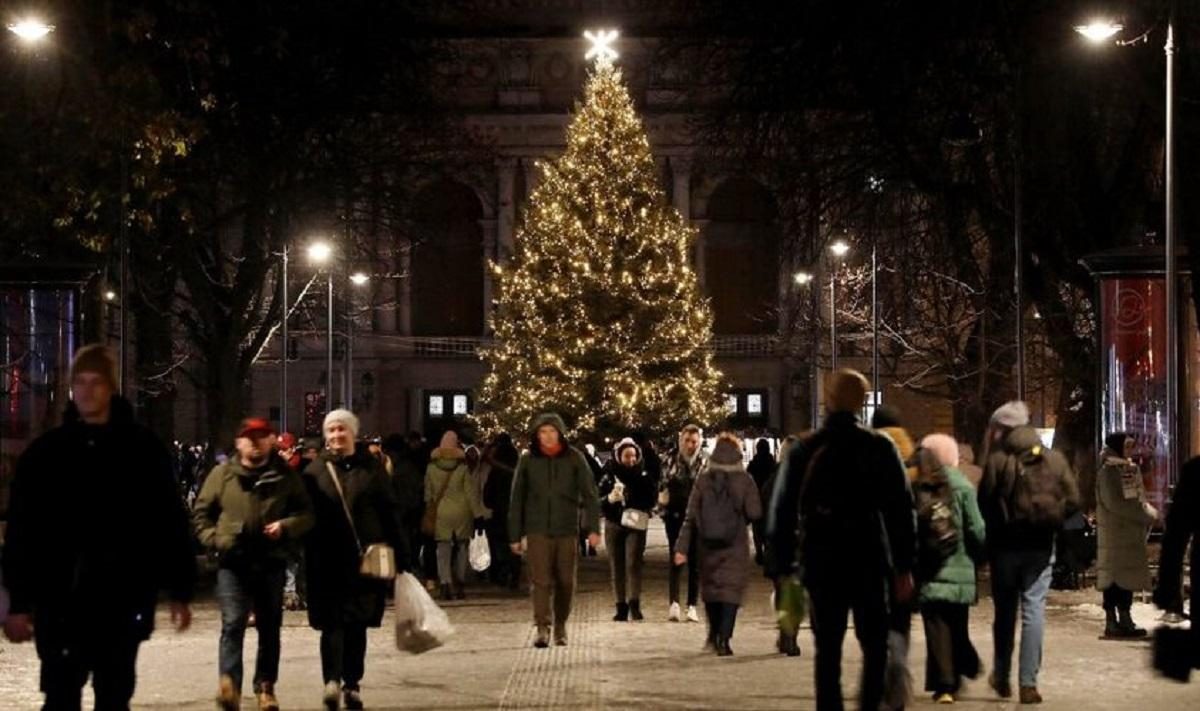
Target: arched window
(447, 262)
(741, 258)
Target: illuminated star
(601, 50)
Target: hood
(627, 442)
(547, 418)
(448, 457)
(1022, 439)
(902, 440)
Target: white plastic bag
(479, 553)
(420, 624)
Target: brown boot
(542, 640)
(228, 696)
(266, 697)
(1030, 695)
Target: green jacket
(955, 582)
(235, 505)
(549, 492)
(460, 505)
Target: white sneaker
(332, 696)
(692, 615)
(674, 614)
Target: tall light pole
(359, 280)
(1099, 31)
(283, 345)
(839, 250)
(30, 29)
(319, 254)
(804, 280)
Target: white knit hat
(345, 417)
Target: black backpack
(938, 531)
(1038, 497)
(720, 518)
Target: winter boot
(1112, 628)
(229, 698)
(1131, 630)
(723, 648)
(352, 699)
(543, 638)
(622, 613)
(266, 697)
(635, 610)
(560, 635)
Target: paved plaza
(652, 665)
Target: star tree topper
(601, 49)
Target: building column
(506, 212)
(404, 288)
(488, 229)
(533, 176)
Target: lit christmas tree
(599, 316)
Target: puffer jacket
(955, 582)
(548, 492)
(460, 505)
(1123, 518)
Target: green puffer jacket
(235, 504)
(548, 492)
(460, 505)
(955, 582)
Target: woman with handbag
(452, 498)
(627, 494)
(353, 552)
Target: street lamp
(1096, 32)
(839, 250)
(802, 278)
(805, 279)
(30, 29)
(359, 280)
(319, 254)
(110, 296)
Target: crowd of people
(869, 521)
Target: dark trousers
(829, 610)
(1117, 598)
(674, 526)
(552, 568)
(626, 554)
(722, 616)
(66, 665)
(238, 594)
(950, 654)
(344, 654)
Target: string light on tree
(599, 315)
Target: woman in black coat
(342, 603)
(627, 484)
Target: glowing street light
(601, 49)
(839, 248)
(110, 295)
(359, 278)
(1098, 31)
(319, 252)
(803, 278)
(30, 29)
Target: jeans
(626, 553)
(552, 566)
(452, 562)
(1020, 578)
(66, 664)
(239, 593)
(344, 654)
(674, 526)
(831, 604)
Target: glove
(615, 497)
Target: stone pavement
(653, 665)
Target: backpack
(1037, 498)
(720, 518)
(938, 531)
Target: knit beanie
(845, 391)
(96, 358)
(449, 441)
(1011, 414)
(943, 447)
(727, 451)
(345, 417)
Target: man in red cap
(252, 512)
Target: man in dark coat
(1182, 525)
(96, 530)
(858, 536)
(342, 603)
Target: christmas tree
(599, 316)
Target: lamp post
(839, 250)
(30, 29)
(1099, 31)
(359, 280)
(283, 345)
(804, 279)
(319, 254)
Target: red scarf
(552, 451)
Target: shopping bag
(479, 553)
(420, 624)
(791, 607)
